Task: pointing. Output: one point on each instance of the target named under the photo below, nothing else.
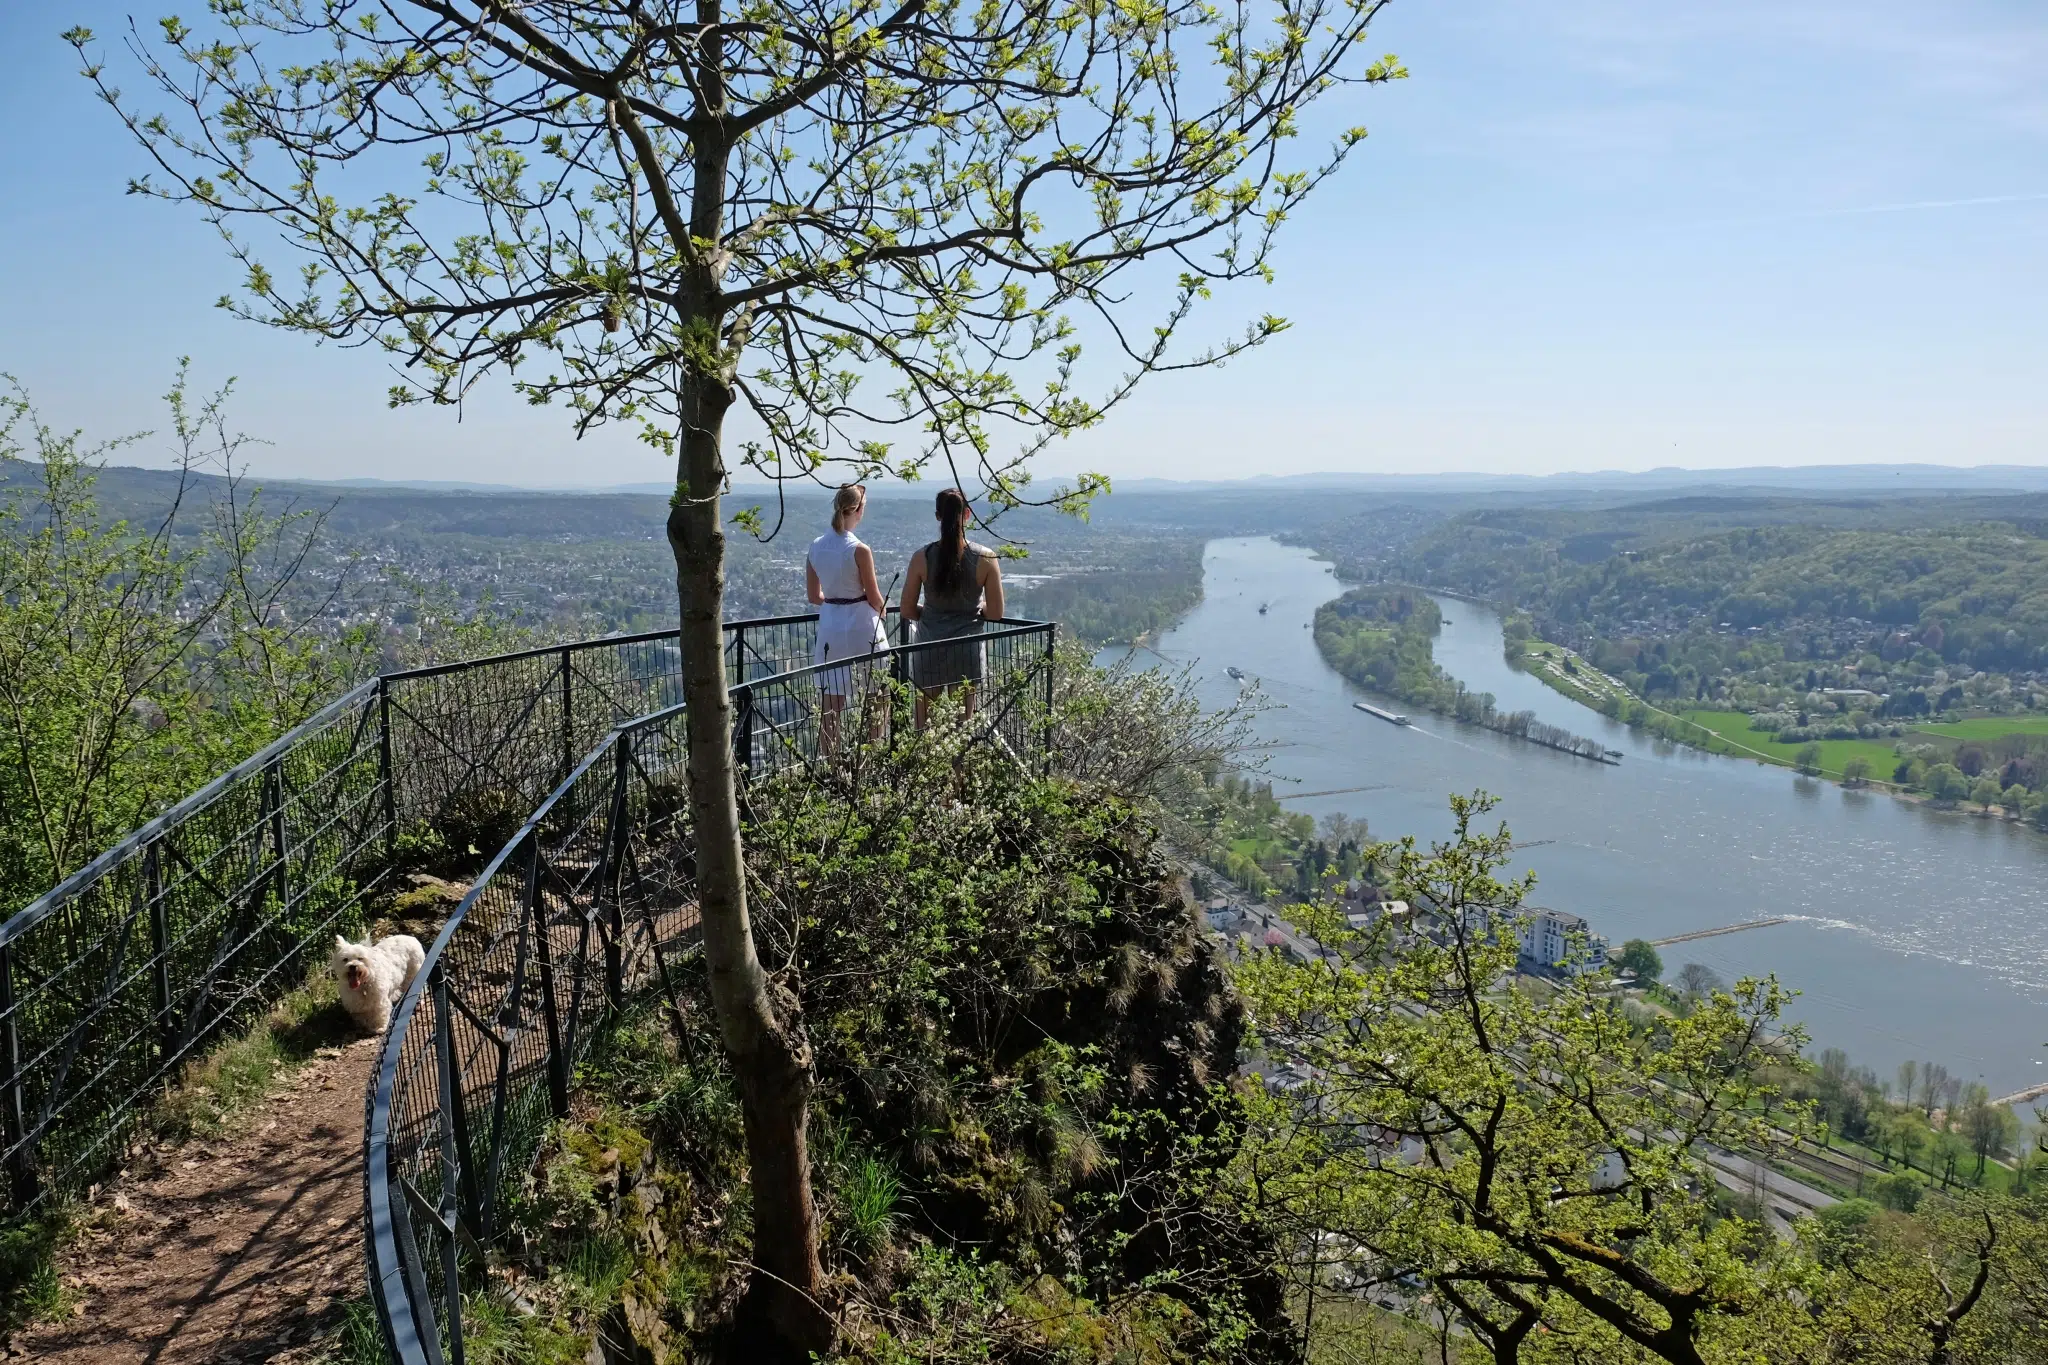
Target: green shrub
(1898, 1191)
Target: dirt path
(236, 1249)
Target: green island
(1383, 638)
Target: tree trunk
(771, 1060)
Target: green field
(1733, 735)
(1981, 728)
(1735, 728)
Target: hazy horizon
(1825, 479)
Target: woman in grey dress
(952, 587)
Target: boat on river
(1391, 717)
(1236, 673)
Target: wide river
(1912, 933)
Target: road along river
(1910, 932)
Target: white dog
(374, 977)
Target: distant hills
(1863, 478)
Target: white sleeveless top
(847, 628)
(832, 561)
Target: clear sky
(1586, 234)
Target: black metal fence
(590, 899)
(196, 922)
(109, 982)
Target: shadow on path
(240, 1248)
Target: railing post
(1052, 635)
(455, 1114)
(160, 945)
(21, 1157)
(743, 728)
(901, 706)
(280, 846)
(608, 879)
(454, 1163)
(568, 711)
(384, 773)
(550, 1012)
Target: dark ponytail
(952, 538)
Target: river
(1912, 933)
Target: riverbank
(1733, 735)
(1569, 675)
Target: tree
(1945, 782)
(1696, 981)
(138, 659)
(1639, 957)
(1844, 1228)
(1985, 791)
(850, 220)
(1856, 772)
(1934, 1083)
(1500, 1143)
(1987, 1126)
(1808, 759)
(1898, 1191)
(1911, 1135)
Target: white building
(1557, 940)
(1365, 916)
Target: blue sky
(1586, 234)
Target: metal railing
(196, 922)
(592, 900)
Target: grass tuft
(356, 1341)
(30, 1288)
(596, 1270)
(868, 1199)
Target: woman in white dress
(839, 580)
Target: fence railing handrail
(43, 906)
(1011, 628)
(387, 1272)
(132, 843)
(411, 1338)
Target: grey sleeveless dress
(952, 614)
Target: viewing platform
(559, 769)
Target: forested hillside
(1901, 640)
(1974, 593)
